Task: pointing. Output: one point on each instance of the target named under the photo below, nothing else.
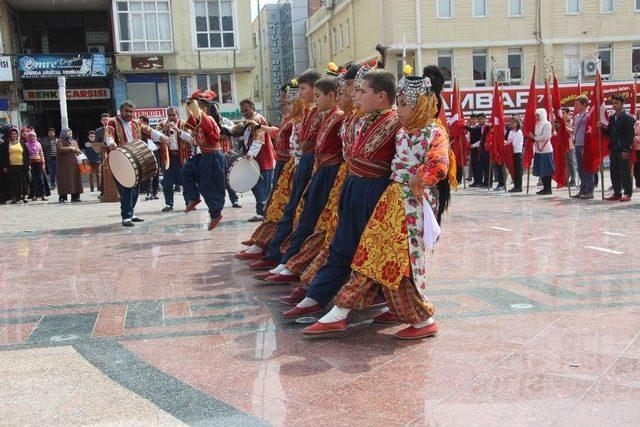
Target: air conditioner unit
(502, 75)
(590, 67)
(328, 4)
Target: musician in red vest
(204, 173)
(173, 156)
(122, 130)
(258, 144)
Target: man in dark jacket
(620, 132)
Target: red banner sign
(477, 100)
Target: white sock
(384, 310)
(277, 270)
(286, 272)
(255, 249)
(427, 322)
(335, 315)
(307, 302)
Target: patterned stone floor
(538, 304)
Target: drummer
(174, 156)
(121, 130)
(257, 144)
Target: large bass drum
(133, 163)
(243, 174)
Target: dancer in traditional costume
(285, 146)
(315, 249)
(204, 173)
(369, 161)
(328, 158)
(173, 156)
(305, 137)
(405, 218)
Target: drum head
(122, 169)
(244, 175)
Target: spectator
(636, 147)
(543, 166)
(93, 160)
(516, 139)
(620, 131)
(5, 192)
(14, 159)
(571, 154)
(69, 179)
(37, 164)
(578, 131)
(50, 146)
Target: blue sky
(254, 7)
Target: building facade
(472, 38)
(280, 47)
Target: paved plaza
(538, 303)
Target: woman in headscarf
(397, 268)
(69, 179)
(543, 166)
(37, 163)
(14, 161)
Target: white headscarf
(543, 120)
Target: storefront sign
(72, 94)
(516, 97)
(147, 62)
(41, 66)
(4, 104)
(6, 71)
(155, 115)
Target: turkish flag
(593, 155)
(529, 123)
(560, 139)
(457, 128)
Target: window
(514, 60)
(219, 83)
(480, 67)
(144, 26)
(348, 33)
(148, 90)
(635, 58)
(608, 6)
(479, 8)
(214, 24)
(445, 62)
(574, 6)
(515, 7)
(571, 61)
(342, 41)
(637, 5)
(255, 40)
(604, 51)
(445, 9)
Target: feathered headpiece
(204, 95)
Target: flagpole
(457, 87)
(598, 103)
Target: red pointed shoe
(192, 205)
(296, 295)
(247, 243)
(282, 279)
(299, 312)
(243, 256)
(412, 333)
(386, 318)
(263, 265)
(325, 328)
(262, 276)
(613, 198)
(214, 222)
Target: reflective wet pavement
(538, 304)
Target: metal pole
(262, 100)
(62, 94)
(418, 38)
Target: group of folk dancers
(363, 176)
